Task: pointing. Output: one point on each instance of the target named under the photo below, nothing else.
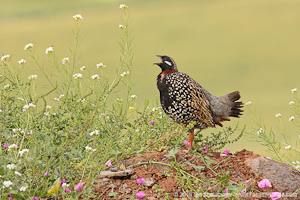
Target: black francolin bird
(185, 101)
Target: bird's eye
(168, 63)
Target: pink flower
(26, 134)
(140, 195)
(79, 186)
(226, 151)
(57, 173)
(264, 183)
(62, 181)
(187, 143)
(10, 197)
(108, 163)
(244, 191)
(211, 144)
(225, 191)
(152, 122)
(5, 145)
(204, 150)
(35, 198)
(68, 190)
(140, 180)
(46, 174)
(275, 195)
(222, 154)
(247, 181)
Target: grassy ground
(251, 46)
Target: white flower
(96, 76)
(123, 6)
(294, 90)
(81, 100)
(5, 57)
(61, 96)
(297, 167)
(46, 113)
(291, 118)
(6, 86)
(7, 183)
(56, 99)
(11, 166)
(298, 162)
(16, 129)
(23, 188)
(12, 146)
(260, 131)
(248, 103)
(65, 185)
(122, 26)
(291, 103)
(32, 76)
(287, 147)
(48, 50)
(20, 98)
(100, 65)
(28, 46)
(77, 17)
(125, 73)
(119, 100)
(89, 148)
(23, 151)
(27, 106)
(65, 60)
(77, 76)
(22, 61)
(48, 107)
(133, 96)
(278, 115)
(82, 68)
(1, 111)
(96, 132)
(18, 173)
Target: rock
(113, 169)
(283, 176)
(118, 174)
(101, 182)
(148, 183)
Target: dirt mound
(166, 177)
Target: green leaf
(208, 160)
(173, 152)
(113, 194)
(115, 152)
(54, 188)
(195, 166)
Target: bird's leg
(191, 138)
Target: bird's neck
(168, 71)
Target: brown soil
(126, 187)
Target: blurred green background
(250, 46)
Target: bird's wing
(195, 98)
(200, 102)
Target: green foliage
(80, 122)
(73, 128)
(279, 142)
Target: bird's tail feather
(236, 108)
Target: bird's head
(166, 63)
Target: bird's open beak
(160, 58)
